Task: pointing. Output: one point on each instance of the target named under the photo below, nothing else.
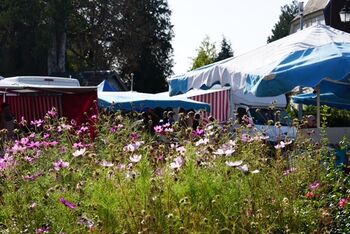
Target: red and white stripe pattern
(33, 107)
(219, 101)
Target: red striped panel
(219, 102)
(33, 107)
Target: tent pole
(318, 92)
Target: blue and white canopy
(319, 55)
(329, 99)
(135, 101)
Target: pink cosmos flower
(68, 203)
(46, 135)
(6, 162)
(42, 230)
(79, 152)
(33, 177)
(288, 171)
(37, 123)
(60, 164)
(32, 206)
(135, 158)
(158, 129)
(78, 145)
(24, 141)
(33, 144)
(17, 148)
(343, 202)
(314, 185)
(177, 164)
(52, 113)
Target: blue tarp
(105, 86)
(328, 99)
(135, 101)
(318, 55)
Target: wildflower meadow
(108, 176)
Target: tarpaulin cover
(318, 55)
(329, 99)
(142, 101)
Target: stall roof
(11, 86)
(141, 101)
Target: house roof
(315, 5)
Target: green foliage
(226, 50)
(282, 27)
(129, 36)
(206, 54)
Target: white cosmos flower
(135, 158)
(80, 152)
(234, 164)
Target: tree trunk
(56, 60)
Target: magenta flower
(134, 135)
(343, 202)
(67, 203)
(60, 164)
(315, 185)
(198, 132)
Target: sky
(246, 24)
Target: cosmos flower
(178, 162)
(135, 158)
(68, 203)
(105, 163)
(79, 152)
(314, 185)
(234, 164)
(60, 164)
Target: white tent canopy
(259, 63)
